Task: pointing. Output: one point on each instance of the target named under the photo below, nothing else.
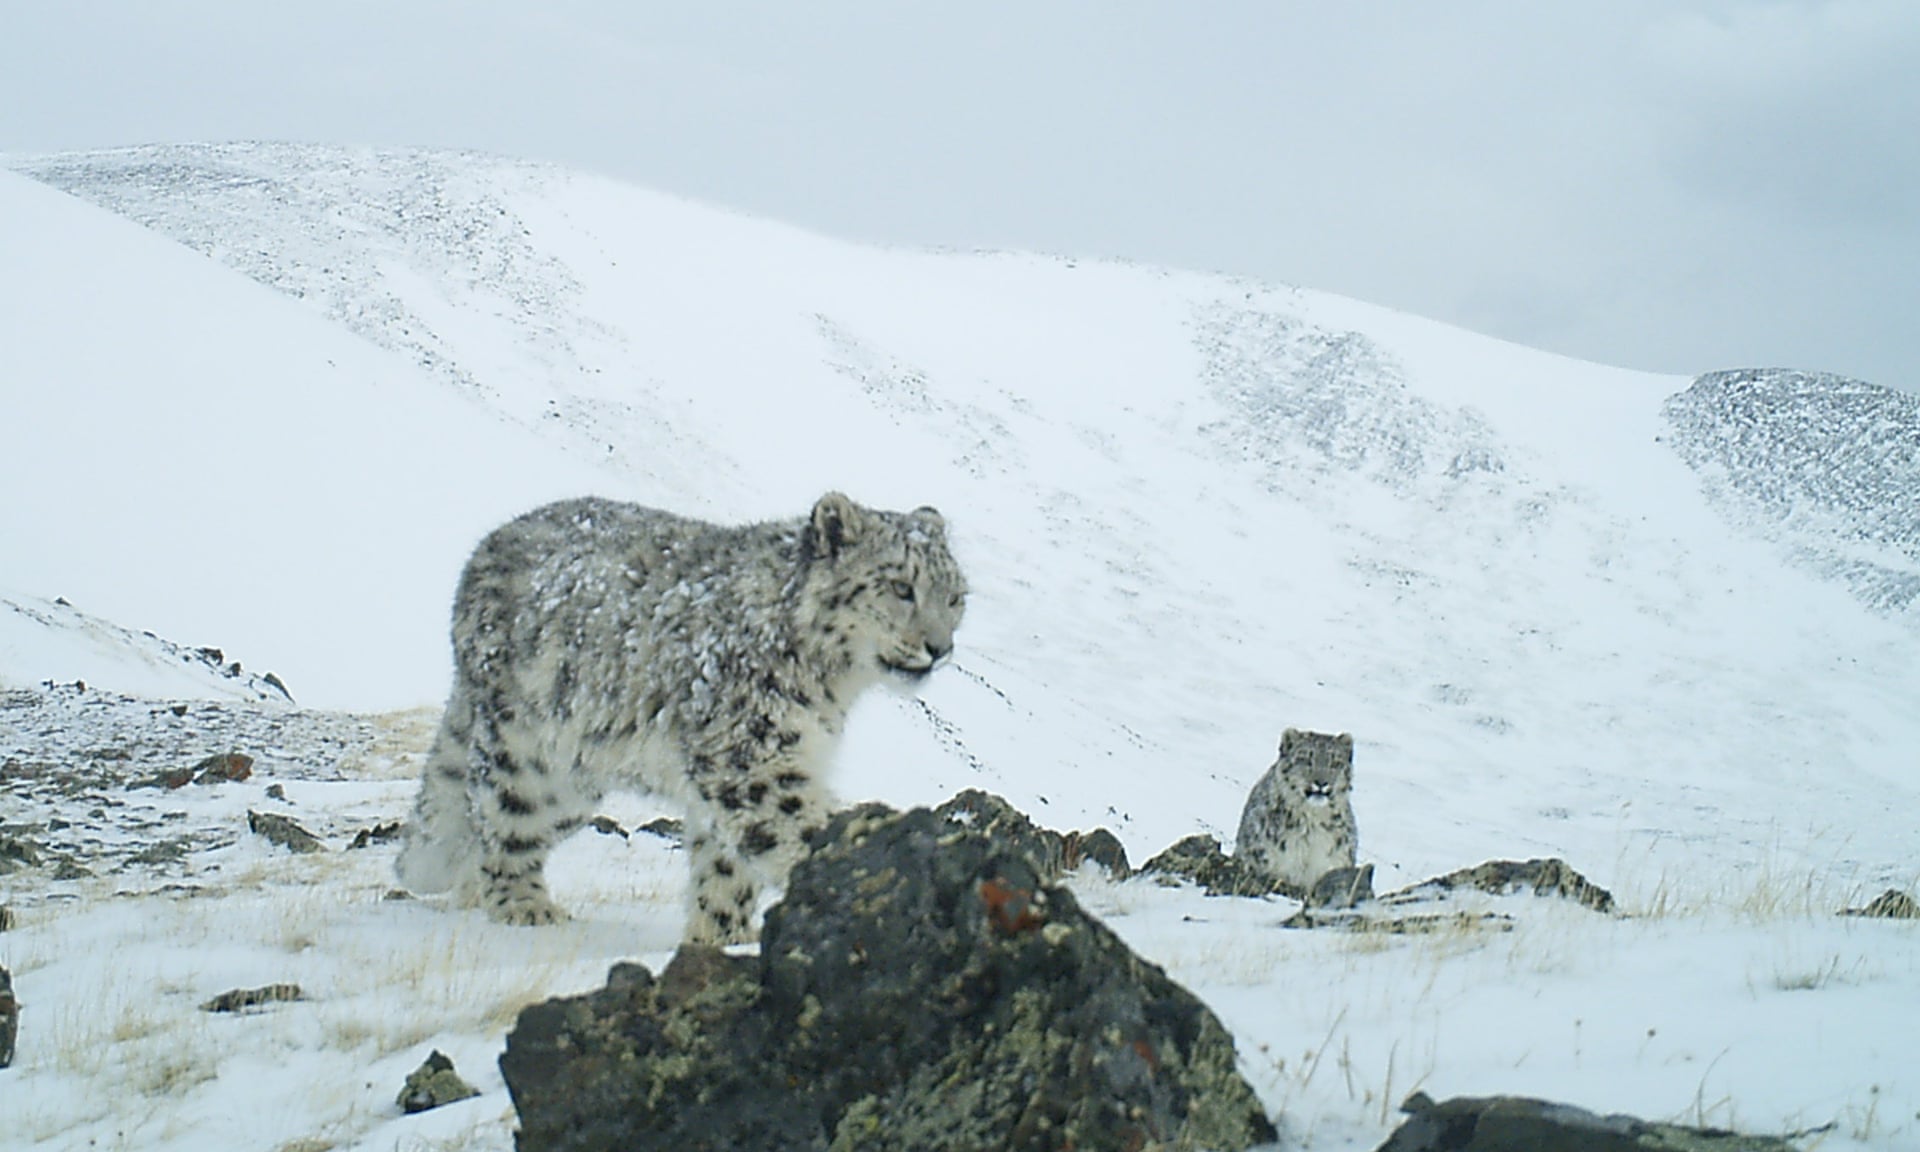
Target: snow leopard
(1298, 822)
(601, 645)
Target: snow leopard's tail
(441, 845)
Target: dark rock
(241, 999)
(7, 919)
(224, 766)
(9, 1018)
(276, 792)
(1100, 846)
(1201, 860)
(432, 1084)
(918, 988)
(17, 853)
(283, 831)
(67, 868)
(1342, 888)
(1518, 1124)
(378, 834)
(665, 827)
(1549, 877)
(1892, 904)
(1054, 853)
(608, 826)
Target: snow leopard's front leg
(748, 833)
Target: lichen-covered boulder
(919, 988)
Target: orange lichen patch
(1144, 1050)
(1010, 909)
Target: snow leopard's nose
(938, 651)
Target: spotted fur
(600, 646)
(1298, 822)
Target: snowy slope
(1194, 511)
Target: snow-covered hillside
(1663, 628)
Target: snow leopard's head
(1317, 767)
(891, 587)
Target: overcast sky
(1677, 185)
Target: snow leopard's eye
(903, 589)
(953, 601)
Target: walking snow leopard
(1298, 821)
(600, 645)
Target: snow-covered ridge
(1827, 466)
(54, 642)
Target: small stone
(7, 919)
(14, 853)
(607, 826)
(1342, 888)
(283, 831)
(1892, 904)
(9, 1018)
(66, 868)
(276, 792)
(433, 1084)
(665, 827)
(378, 834)
(241, 999)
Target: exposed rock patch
(1054, 854)
(1514, 1123)
(920, 987)
(1892, 904)
(284, 831)
(1548, 877)
(242, 999)
(1200, 860)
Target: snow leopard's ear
(929, 517)
(836, 524)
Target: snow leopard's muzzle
(916, 667)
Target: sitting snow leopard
(600, 645)
(1298, 822)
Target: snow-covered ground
(1557, 617)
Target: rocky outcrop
(1548, 877)
(1199, 859)
(1518, 1124)
(920, 987)
(1054, 853)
